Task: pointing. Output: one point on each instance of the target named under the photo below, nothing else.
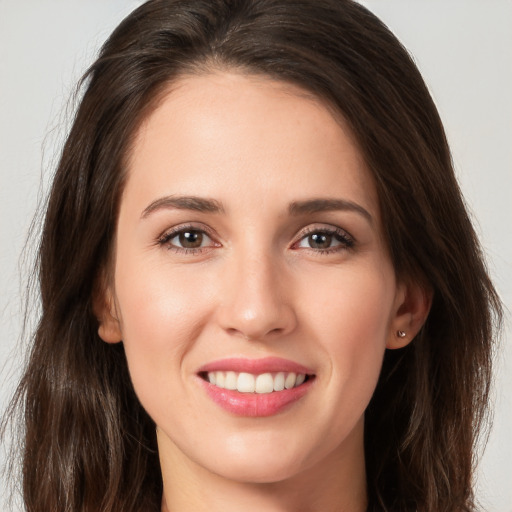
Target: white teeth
(220, 379)
(231, 380)
(263, 383)
(245, 383)
(279, 382)
(290, 380)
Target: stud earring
(401, 334)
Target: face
(252, 287)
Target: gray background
(462, 47)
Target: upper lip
(255, 366)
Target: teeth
(290, 380)
(263, 383)
(245, 383)
(231, 380)
(279, 381)
(220, 379)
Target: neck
(337, 483)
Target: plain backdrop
(462, 47)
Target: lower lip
(255, 404)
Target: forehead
(222, 133)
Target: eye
(326, 240)
(188, 239)
(191, 239)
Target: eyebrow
(324, 205)
(206, 205)
(198, 204)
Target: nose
(257, 303)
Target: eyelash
(165, 239)
(346, 241)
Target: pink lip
(255, 366)
(254, 404)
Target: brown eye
(190, 239)
(186, 239)
(320, 240)
(326, 240)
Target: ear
(109, 328)
(411, 308)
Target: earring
(401, 334)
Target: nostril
(255, 336)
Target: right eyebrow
(198, 204)
(328, 204)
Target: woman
(255, 201)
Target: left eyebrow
(324, 205)
(198, 204)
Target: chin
(260, 473)
(261, 465)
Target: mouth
(255, 388)
(263, 383)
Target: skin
(256, 287)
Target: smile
(256, 387)
(263, 383)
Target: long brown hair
(89, 445)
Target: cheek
(356, 304)
(351, 319)
(162, 313)
(159, 302)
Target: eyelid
(170, 233)
(347, 240)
